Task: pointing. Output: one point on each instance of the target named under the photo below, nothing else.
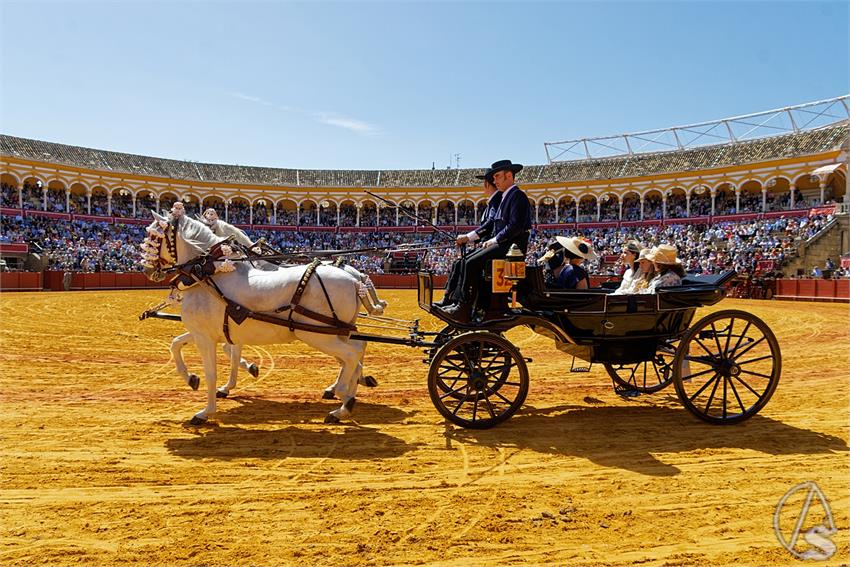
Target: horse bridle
(169, 236)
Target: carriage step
(577, 369)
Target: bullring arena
(101, 466)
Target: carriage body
(645, 342)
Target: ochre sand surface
(100, 468)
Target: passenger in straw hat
(564, 259)
(667, 264)
(646, 273)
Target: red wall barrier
(20, 281)
(826, 290)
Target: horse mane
(196, 235)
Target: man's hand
(491, 242)
(461, 240)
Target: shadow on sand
(352, 442)
(627, 437)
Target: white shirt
(473, 236)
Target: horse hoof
(194, 381)
(196, 420)
(349, 405)
(254, 370)
(328, 395)
(370, 382)
(220, 394)
(331, 418)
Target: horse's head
(159, 248)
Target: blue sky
(357, 85)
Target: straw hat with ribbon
(664, 254)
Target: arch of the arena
(215, 202)
(10, 191)
(466, 212)
(653, 204)
(608, 205)
(407, 212)
(308, 213)
(328, 212)
(425, 210)
(777, 194)
(121, 202)
(677, 202)
(56, 196)
(145, 202)
(286, 212)
(631, 205)
(166, 201)
(567, 209)
(32, 193)
(446, 213)
(587, 208)
(368, 213)
(78, 199)
(192, 204)
(725, 198)
(545, 212)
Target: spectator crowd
(98, 246)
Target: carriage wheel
(649, 376)
(442, 338)
(478, 380)
(727, 367)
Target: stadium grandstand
(761, 186)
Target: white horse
(179, 239)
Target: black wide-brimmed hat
(488, 175)
(504, 164)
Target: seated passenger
(564, 259)
(646, 273)
(629, 258)
(668, 266)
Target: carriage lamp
(514, 270)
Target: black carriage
(724, 367)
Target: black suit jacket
(513, 219)
(488, 221)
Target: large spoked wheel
(649, 376)
(446, 334)
(727, 367)
(478, 380)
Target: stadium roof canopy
(782, 121)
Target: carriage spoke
(729, 336)
(452, 391)
(475, 408)
(461, 402)
(738, 378)
(489, 404)
(716, 340)
(704, 386)
(750, 347)
(757, 374)
(740, 338)
(737, 397)
(725, 380)
(713, 391)
(691, 376)
(765, 357)
(507, 401)
(708, 352)
(700, 360)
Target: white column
(455, 206)
(822, 186)
(557, 213)
(250, 213)
(274, 213)
(88, 203)
(337, 214)
(357, 217)
(663, 206)
(764, 199)
(737, 201)
(537, 213)
(67, 200)
(712, 194)
(791, 188)
(134, 206)
(226, 212)
(577, 210)
(44, 198)
(318, 213)
(687, 204)
(620, 215)
(641, 207)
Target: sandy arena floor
(99, 467)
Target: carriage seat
(533, 294)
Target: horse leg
(207, 349)
(368, 381)
(234, 354)
(374, 293)
(176, 348)
(349, 354)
